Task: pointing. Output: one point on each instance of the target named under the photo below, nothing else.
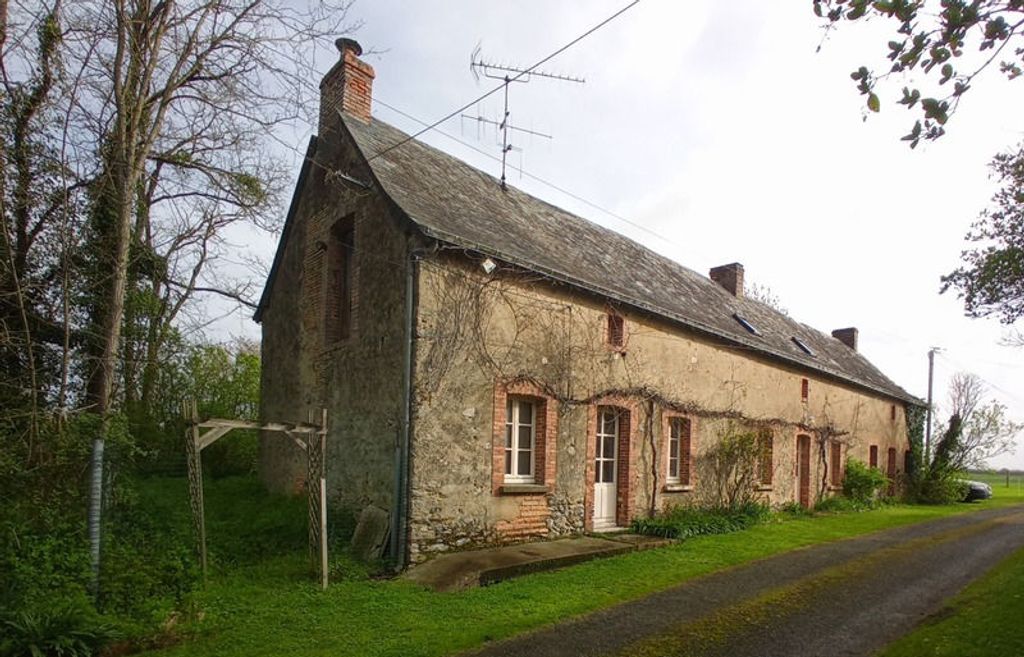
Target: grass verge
(984, 620)
(272, 608)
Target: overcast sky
(718, 128)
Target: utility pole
(928, 426)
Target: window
(892, 412)
(520, 437)
(765, 457)
(908, 462)
(873, 456)
(805, 390)
(679, 451)
(338, 288)
(616, 330)
(803, 346)
(836, 463)
(745, 324)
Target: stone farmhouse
(497, 369)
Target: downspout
(399, 518)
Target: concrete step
(461, 570)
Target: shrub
(687, 521)
(728, 469)
(69, 628)
(795, 509)
(861, 483)
(945, 488)
(841, 504)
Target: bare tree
(765, 295)
(985, 430)
(145, 128)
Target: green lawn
(983, 621)
(271, 607)
(999, 485)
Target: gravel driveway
(844, 598)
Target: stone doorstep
(461, 570)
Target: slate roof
(458, 204)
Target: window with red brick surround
(518, 467)
(339, 283)
(678, 432)
(873, 456)
(805, 390)
(766, 457)
(616, 330)
(835, 463)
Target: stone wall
(358, 377)
(480, 334)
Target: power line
(952, 361)
(524, 72)
(536, 178)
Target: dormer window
(803, 346)
(745, 324)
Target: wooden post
(195, 480)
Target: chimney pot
(729, 277)
(847, 336)
(344, 43)
(347, 87)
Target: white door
(606, 448)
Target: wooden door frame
(803, 470)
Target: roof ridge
(466, 206)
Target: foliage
(986, 431)
(224, 380)
(795, 510)
(991, 279)
(727, 469)
(839, 504)
(939, 482)
(862, 483)
(247, 608)
(688, 521)
(65, 628)
(946, 44)
(42, 543)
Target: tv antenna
(509, 74)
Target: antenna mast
(508, 74)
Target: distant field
(998, 483)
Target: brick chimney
(348, 86)
(730, 277)
(847, 336)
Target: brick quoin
(625, 460)
(534, 512)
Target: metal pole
(323, 499)
(96, 508)
(928, 426)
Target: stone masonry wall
(480, 334)
(358, 378)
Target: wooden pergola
(311, 437)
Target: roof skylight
(745, 324)
(803, 347)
